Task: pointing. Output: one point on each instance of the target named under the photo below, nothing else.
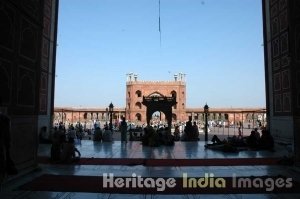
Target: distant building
(135, 111)
(136, 89)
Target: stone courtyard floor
(181, 150)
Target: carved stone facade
(136, 89)
(282, 66)
(27, 57)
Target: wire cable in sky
(159, 28)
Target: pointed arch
(162, 104)
(173, 93)
(156, 94)
(138, 117)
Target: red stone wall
(166, 88)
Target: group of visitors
(191, 131)
(263, 141)
(161, 136)
(151, 136)
(254, 141)
(63, 148)
(104, 135)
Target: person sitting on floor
(188, 131)
(252, 141)
(266, 140)
(151, 137)
(107, 135)
(257, 134)
(68, 154)
(238, 140)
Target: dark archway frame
(159, 103)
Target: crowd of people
(64, 150)
(158, 136)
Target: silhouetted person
(195, 132)
(123, 129)
(252, 141)
(216, 140)
(72, 133)
(238, 140)
(224, 145)
(107, 135)
(145, 137)
(188, 130)
(176, 133)
(240, 132)
(97, 134)
(266, 140)
(150, 137)
(257, 134)
(168, 137)
(68, 154)
(58, 138)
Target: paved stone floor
(189, 150)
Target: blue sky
(217, 43)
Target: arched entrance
(159, 103)
(174, 117)
(138, 117)
(158, 118)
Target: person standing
(123, 129)
(195, 132)
(188, 130)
